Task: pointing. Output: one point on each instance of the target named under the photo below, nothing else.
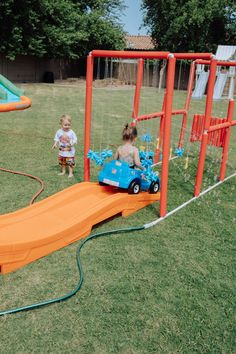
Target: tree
(190, 25)
(59, 28)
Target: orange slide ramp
(63, 218)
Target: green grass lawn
(168, 289)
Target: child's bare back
(128, 152)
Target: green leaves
(59, 28)
(191, 25)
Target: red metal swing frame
(166, 114)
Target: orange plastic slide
(23, 103)
(65, 217)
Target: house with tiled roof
(127, 69)
(138, 42)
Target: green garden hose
(105, 233)
(81, 273)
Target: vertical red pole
(187, 104)
(88, 110)
(167, 131)
(139, 80)
(207, 120)
(227, 139)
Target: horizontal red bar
(219, 62)
(218, 127)
(148, 54)
(221, 126)
(203, 62)
(129, 54)
(159, 114)
(179, 111)
(226, 63)
(150, 116)
(193, 56)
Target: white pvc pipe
(157, 221)
(158, 163)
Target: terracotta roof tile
(139, 42)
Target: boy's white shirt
(73, 140)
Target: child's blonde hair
(65, 117)
(129, 133)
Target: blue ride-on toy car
(119, 174)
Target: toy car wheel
(102, 184)
(134, 187)
(154, 187)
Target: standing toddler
(65, 139)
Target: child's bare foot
(69, 176)
(61, 174)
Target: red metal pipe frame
(130, 54)
(208, 110)
(167, 131)
(88, 110)
(213, 128)
(193, 56)
(226, 63)
(219, 62)
(176, 112)
(150, 116)
(159, 114)
(203, 62)
(148, 54)
(168, 110)
(139, 81)
(227, 139)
